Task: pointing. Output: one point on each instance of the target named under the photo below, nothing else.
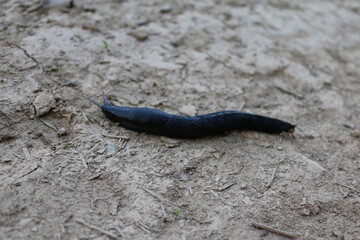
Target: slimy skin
(157, 122)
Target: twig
(31, 57)
(224, 187)
(27, 173)
(94, 176)
(83, 160)
(271, 179)
(352, 188)
(158, 196)
(27, 54)
(85, 117)
(163, 211)
(282, 89)
(190, 191)
(235, 172)
(314, 163)
(27, 154)
(345, 194)
(48, 125)
(223, 200)
(116, 137)
(30, 171)
(144, 226)
(273, 230)
(107, 233)
(123, 144)
(120, 232)
(17, 155)
(35, 8)
(5, 137)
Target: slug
(157, 122)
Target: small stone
(17, 184)
(338, 234)
(166, 9)
(100, 151)
(110, 150)
(184, 177)
(310, 209)
(43, 103)
(6, 136)
(264, 233)
(25, 221)
(7, 161)
(247, 200)
(175, 43)
(63, 132)
(182, 60)
(243, 186)
(139, 24)
(139, 35)
(355, 134)
(57, 3)
(218, 155)
(72, 83)
(280, 148)
(114, 207)
(169, 142)
(305, 212)
(189, 110)
(314, 208)
(349, 125)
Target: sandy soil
(66, 172)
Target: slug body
(157, 122)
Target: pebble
(166, 9)
(349, 125)
(72, 83)
(57, 3)
(305, 212)
(43, 103)
(264, 233)
(63, 132)
(139, 35)
(355, 134)
(175, 43)
(184, 177)
(133, 152)
(25, 221)
(139, 24)
(189, 110)
(314, 208)
(337, 233)
(243, 186)
(110, 150)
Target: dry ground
(63, 175)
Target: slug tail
(91, 100)
(106, 102)
(94, 102)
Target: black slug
(157, 122)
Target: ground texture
(66, 172)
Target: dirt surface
(66, 172)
